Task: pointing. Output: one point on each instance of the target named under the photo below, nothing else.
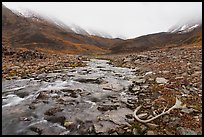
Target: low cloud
(119, 19)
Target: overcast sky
(129, 19)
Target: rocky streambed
(94, 99)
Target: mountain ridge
(46, 34)
(41, 34)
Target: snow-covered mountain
(69, 27)
(79, 30)
(184, 28)
(99, 33)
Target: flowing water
(82, 100)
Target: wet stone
(22, 94)
(31, 106)
(28, 132)
(90, 80)
(74, 95)
(36, 129)
(103, 127)
(106, 107)
(52, 111)
(56, 119)
(42, 95)
(25, 118)
(69, 124)
(64, 103)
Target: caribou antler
(176, 105)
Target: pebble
(127, 60)
(152, 126)
(136, 88)
(139, 81)
(145, 86)
(147, 100)
(128, 131)
(148, 73)
(114, 133)
(166, 118)
(143, 128)
(120, 131)
(165, 72)
(167, 132)
(150, 132)
(135, 131)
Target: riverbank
(167, 74)
(21, 64)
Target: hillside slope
(159, 40)
(40, 34)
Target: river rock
(114, 133)
(139, 80)
(161, 80)
(185, 131)
(166, 118)
(174, 121)
(42, 95)
(27, 132)
(21, 94)
(136, 88)
(145, 86)
(127, 60)
(106, 107)
(90, 80)
(187, 110)
(150, 132)
(117, 116)
(104, 126)
(120, 131)
(152, 126)
(56, 119)
(165, 72)
(135, 131)
(143, 128)
(52, 111)
(69, 124)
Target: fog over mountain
(116, 19)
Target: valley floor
(160, 77)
